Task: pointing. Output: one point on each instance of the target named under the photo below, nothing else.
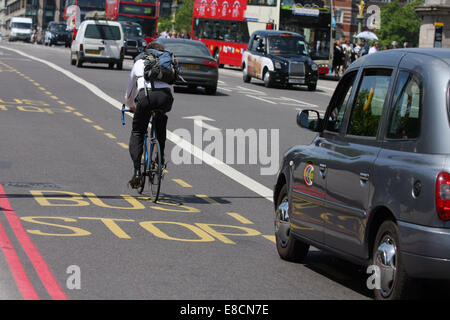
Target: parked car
(374, 185)
(134, 40)
(98, 41)
(20, 29)
(279, 58)
(198, 67)
(57, 33)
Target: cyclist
(141, 99)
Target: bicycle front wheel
(155, 170)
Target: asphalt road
(67, 210)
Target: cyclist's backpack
(161, 66)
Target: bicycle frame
(147, 144)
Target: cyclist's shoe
(135, 181)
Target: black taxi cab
(279, 58)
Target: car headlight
(277, 65)
(314, 67)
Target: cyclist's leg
(160, 123)
(140, 124)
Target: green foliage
(164, 23)
(400, 23)
(363, 121)
(183, 17)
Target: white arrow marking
(199, 121)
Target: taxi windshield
(287, 45)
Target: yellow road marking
(78, 114)
(88, 120)
(48, 92)
(182, 183)
(54, 97)
(98, 128)
(110, 135)
(206, 198)
(70, 108)
(270, 238)
(239, 218)
(61, 102)
(123, 145)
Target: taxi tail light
(442, 195)
(122, 51)
(210, 63)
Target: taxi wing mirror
(310, 119)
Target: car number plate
(191, 66)
(93, 51)
(300, 81)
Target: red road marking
(38, 262)
(23, 283)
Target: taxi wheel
(245, 76)
(119, 65)
(72, 60)
(211, 90)
(288, 247)
(267, 80)
(79, 61)
(393, 282)
(312, 86)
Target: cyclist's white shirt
(137, 82)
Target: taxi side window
(404, 121)
(258, 44)
(369, 101)
(336, 116)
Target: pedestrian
(394, 44)
(385, 47)
(338, 57)
(405, 44)
(164, 34)
(374, 47)
(358, 50)
(142, 97)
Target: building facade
(435, 28)
(41, 11)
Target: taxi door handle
(364, 176)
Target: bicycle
(151, 167)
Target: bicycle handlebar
(124, 109)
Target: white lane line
(250, 90)
(217, 164)
(301, 102)
(221, 82)
(259, 98)
(224, 89)
(326, 88)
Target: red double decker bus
(221, 26)
(144, 12)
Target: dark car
(57, 34)
(134, 42)
(374, 185)
(279, 58)
(198, 67)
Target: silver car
(373, 187)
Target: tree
(400, 23)
(183, 17)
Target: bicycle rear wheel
(155, 170)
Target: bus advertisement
(221, 26)
(75, 11)
(312, 19)
(144, 12)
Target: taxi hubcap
(282, 225)
(386, 260)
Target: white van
(20, 29)
(98, 41)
